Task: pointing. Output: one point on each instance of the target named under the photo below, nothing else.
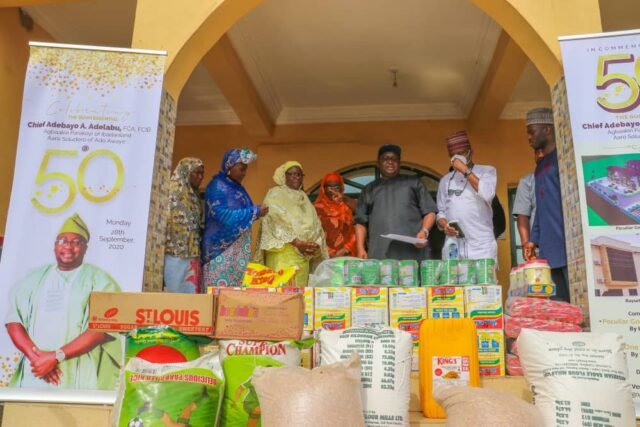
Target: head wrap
(540, 116)
(458, 140)
(323, 196)
(336, 218)
(184, 168)
(235, 156)
(74, 224)
(279, 174)
(389, 148)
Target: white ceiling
(330, 60)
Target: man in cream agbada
(48, 317)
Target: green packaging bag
(160, 395)
(353, 272)
(449, 272)
(466, 272)
(370, 272)
(486, 271)
(240, 406)
(408, 272)
(430, 272)
(389, 272)
(338, 271)
(162, 344)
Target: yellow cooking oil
(448, 355)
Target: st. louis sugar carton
(407, 308)
(483, 304)
(332, 308)
(308, 303)
(445, 302)
(491, 352)
(369, 306)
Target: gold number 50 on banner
(604, 79)
(44, 176)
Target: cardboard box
(369, 306)
(407, 308)
(415, 359)
(483, 304)
(215, 290)
(445, 302)
(259, 315)
(124, 311)
(491, 349)
(332, 308)
(307, 294)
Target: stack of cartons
(483, 304)
(332, 308)
(369, 306)
(407, 308)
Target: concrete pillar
(158, 212)
(570, 198)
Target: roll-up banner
(78, 214)
(602, 73)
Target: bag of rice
(386, 369)
(162, 344)
(173, 394)
(578, 379)
(478, 407)
(320, 397)
(239, 358)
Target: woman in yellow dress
(291, 234)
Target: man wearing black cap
(393, 204)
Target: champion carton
(369, 306)
(445, 302)
(259, 315)
(307, 294)
(483, 304)
(124, 311)
(332, 308)
(491, 348)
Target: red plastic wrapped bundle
(514, 368)
(513, 325)
(540, 308)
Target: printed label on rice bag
(452, 370)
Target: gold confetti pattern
(66, 70)
(7, 368)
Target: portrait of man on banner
(48, 316)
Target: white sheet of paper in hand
(401, 238)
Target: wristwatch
(60, 356)
(426, 231)
(467, 173)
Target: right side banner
(602, 73)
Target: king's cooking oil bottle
(448, 355)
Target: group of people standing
(296, 233)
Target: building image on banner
(616, 265)
(85, 155)
(612, 189)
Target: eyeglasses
(332, 186)
(75, 243)
(393, 159)
(456, 192)
(295, 174)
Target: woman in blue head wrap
(229, 215)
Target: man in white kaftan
(465, 195)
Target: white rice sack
(578, 378)
(386, 369)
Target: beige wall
(14, 54)
(325, 147)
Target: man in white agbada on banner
(465, 195)
(48, 317)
